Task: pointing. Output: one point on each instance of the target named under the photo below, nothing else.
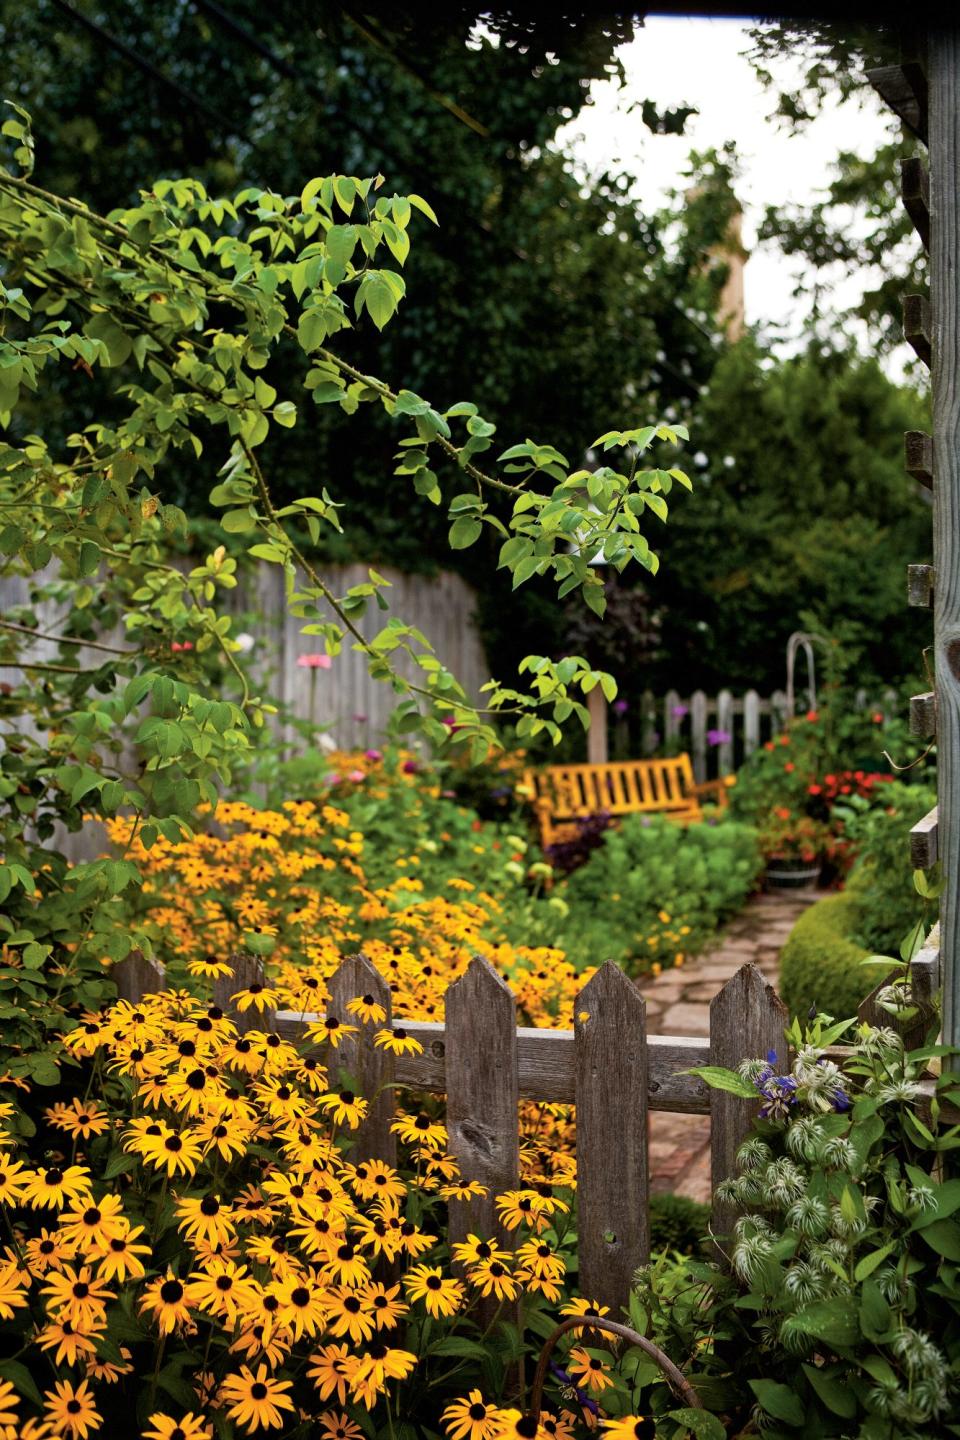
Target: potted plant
(793, 846)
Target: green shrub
(678, 1224)
(655, 890)
(882, 877)
(820, 963)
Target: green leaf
(464, 532)
(833, 1321)
(285, 414)
(459, 1345)
(837, 1396)
(943, 1236)
(779, 1401)
(701, 1424)
(418, 203)
(869, 1263)
(118, 1164)
(719, 1078)
(21, 1380)
(118, 343)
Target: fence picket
(372, 1068)
(698, 734)
(247, 971)
(671, 720)
(751, 722)
(613, 1231)
(725, 726)
(482, 1094)
(137, 976)
(747, 1020)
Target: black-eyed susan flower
(385, 1304)
(348, 1266)
(440, 1296)
(79, 1296)
(79, 1119)
(86, 1225)
(13, 1176)
(476, 1251)
(176, 1152)
(72, 1409)
(367, 1010)
(207, 1219)
(398, 1041)
(166, 1300)
(9, 1405)
(492, 1277)
(334, 1426)
(332, 1029)
(631, 1427)
(119, 1257)
(345, 1107)
(462, 1190)
(223, 1288)
(256, 1400)
(329, 1369)
(47, 1251)
(188, 1427)
(57, 1186)
(470, 1418)
(301, 1308)
(13, 1289)
(349, 1315)
(69, 1342)
(420, 1129)
(581, 1306)
(108, 1372)
(375, 1179)
(588, 1370)
(376, 1367)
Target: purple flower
(678, 711)
(841, 1101)
(373, 754)
(410, 767)
(620, 707)
(718, 737)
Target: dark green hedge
(820, 963)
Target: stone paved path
(678, 1003)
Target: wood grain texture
(136, 976)
(545, 1060)
(944, 61)
(925, 841)
(918, 456)
(914, 1030)
(747, 1020)
(904, 89)
(915, 191)
(917, 326)
(920, 585)
(371, 1068)
(613, 1230)
(247, 971)
(923, 714)
(482, 1095)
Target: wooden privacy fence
(485, 1064)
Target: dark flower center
(351, 1304)
(477, 1412)
(209, 1205)
(173, 1143)
(171, 1291)
(433, 1282)
(224, 1283)
(53, 1177)
(91, 1216)
(258, 1391)
(81, 1290)
(300, 1296)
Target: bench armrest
(715, 790)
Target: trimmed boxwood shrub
(820, 963)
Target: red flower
(789, 767)
(814, 789)
(784, 739)
(877, 717)
(181, 645)
(812, 716)
(769, 745)
(476, 825)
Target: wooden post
(613, 1183)
(944, 132)
(371, 1067)
(136, 976)
(247, 971)
(747, 1020)
(482, 1095)
(671, 722)
(597, 751)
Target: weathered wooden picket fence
(485, 1064)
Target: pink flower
(372, 755)
(315, 662)
(678, 711)
(410, 767)
(181, 645)
(333, 778)
(356, 776)
(360, 719)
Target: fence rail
(485, 1065)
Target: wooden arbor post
(944, 141)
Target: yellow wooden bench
(564, 794)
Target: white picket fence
(718, 731)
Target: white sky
(698, 62)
